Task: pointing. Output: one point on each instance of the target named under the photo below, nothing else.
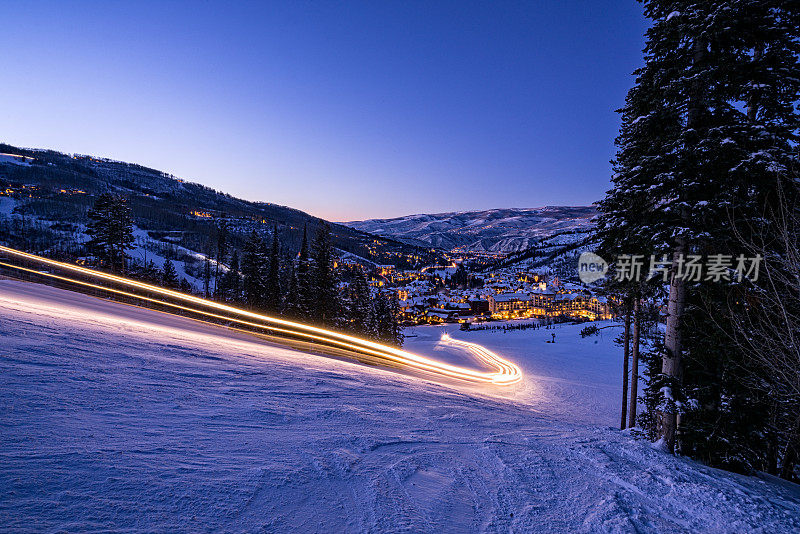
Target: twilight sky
(347, 110)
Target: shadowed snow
(118, 418)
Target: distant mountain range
(497, 230)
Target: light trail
(483, 354)
(505, 372)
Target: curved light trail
(504, 372)
(483, 354)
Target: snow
(7, 205)
(14, 159)
(497, 230)
(575, 378)
(142, 252)
(118, 418)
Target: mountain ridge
(493, 230)
(61, 187)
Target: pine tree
(372, 328)
(222, 252)
(111, 229)
(387, 320)
(273, 282)
(359, 305)
(152, 273)
(232, 280)
(207, 278)
(379, 324)
(169, 276)
(304, 307)
(396, 336)
(326, 299)
(648, 420)
(635, 346)
(254, 271)
(291, 302)
(707, 137)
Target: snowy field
(118, 418)
(573, 379)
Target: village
(449, 294)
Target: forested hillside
(59, 188)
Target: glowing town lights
(506, 372)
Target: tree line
(263, 276)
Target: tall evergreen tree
(396, 336)
(232, 280)
(305, 287)
(707, 132)
(291, 302)
(255, 266)
(169, 276)
(387, 319)
(111, 229)
(222, 252)
(378, 324)
(326, 306)
(273, 282)
(359, 305)
(152, 273)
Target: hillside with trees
(127, 219)
(61, 189)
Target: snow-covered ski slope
(123, 419)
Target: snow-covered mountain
(497, 230)
(118, 418)
(58, 189)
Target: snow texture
(7, 205)
(499, 230)
(118, 418)
(12, 159)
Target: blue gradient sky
(347, 110)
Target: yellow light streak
(506, 372)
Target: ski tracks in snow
(106, 424)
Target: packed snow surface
(118, 418)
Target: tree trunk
(216, 278)
(671, 362)
(752, 103)
(790, 457)
(789, 461)
(634, 365)
(626, 354)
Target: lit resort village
(430, 295)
